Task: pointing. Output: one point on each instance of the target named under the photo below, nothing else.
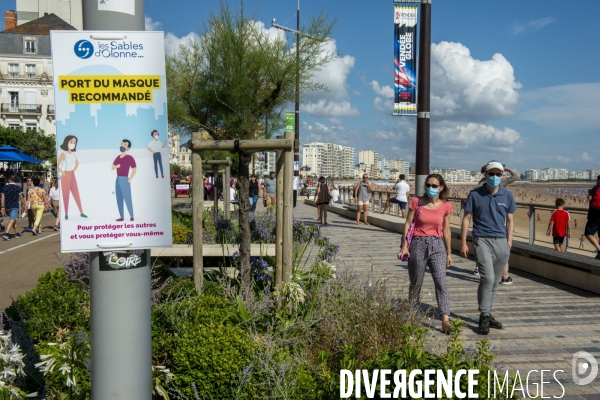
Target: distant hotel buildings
(553, 174)
(329, 160)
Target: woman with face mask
(430, 244)
(322, 199)
(67, 165)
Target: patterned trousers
(428, 251)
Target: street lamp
(297, 101)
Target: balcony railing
(9, 108)
(51, 109)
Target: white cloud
(172, 42)
(473, 136)
(151, 25)
(586, 157)
(519, 28)
(564, 160)
(566, 108)
(328, 109)
(467, 89)
(384, 91)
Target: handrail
(534, 233)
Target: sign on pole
(290, 122)
(405, 60)
(112, 140)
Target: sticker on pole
(112, 140)
(115, 261)
(122, 6)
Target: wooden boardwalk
(545, 322)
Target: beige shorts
(270, 200)
(363, 203)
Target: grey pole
(423, 99)
(97, 20)
(120, 300)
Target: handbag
(411, 231)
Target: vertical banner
(112, 140)
(405, 61)
(290, 122)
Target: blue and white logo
(84, 49)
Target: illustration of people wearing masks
(122, 164)
(154, 147)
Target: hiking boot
(484, 324)
(493, 323)
(506, 281)
(476, 271)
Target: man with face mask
(491, 207)
(123, 163)
(155, 147)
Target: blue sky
(517, 81)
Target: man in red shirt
(559, 225)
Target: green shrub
(55, 305)
(178, 288)
(212, 358)
(198, 341)
(180, 233)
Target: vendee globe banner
(112, 145)
(405, 61)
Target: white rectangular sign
(112, 144)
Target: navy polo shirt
(489, 211)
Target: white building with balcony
(26, 90)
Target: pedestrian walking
(295, 184)
(402, 193)
(504, 182)
(430, 245)
(362, 190)
(253, 192)
(593, 218)
(559, 225)
(491, 206)
(582, 241)
(10, 195)
(269, 192)
(54, 195)
(322, 198)
(36, 197)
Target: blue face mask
(493, 181)
(432, 192)
(122, 148)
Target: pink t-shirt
(430, 222)
(124, 164)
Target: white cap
(494, 165)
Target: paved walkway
(24, 260)
(545, 322)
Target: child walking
(559, 225)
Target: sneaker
(493, 323)
(5, 237)
(506, 281)
(598, 256)
(476, 271)
(17, 236)
(484, 324)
